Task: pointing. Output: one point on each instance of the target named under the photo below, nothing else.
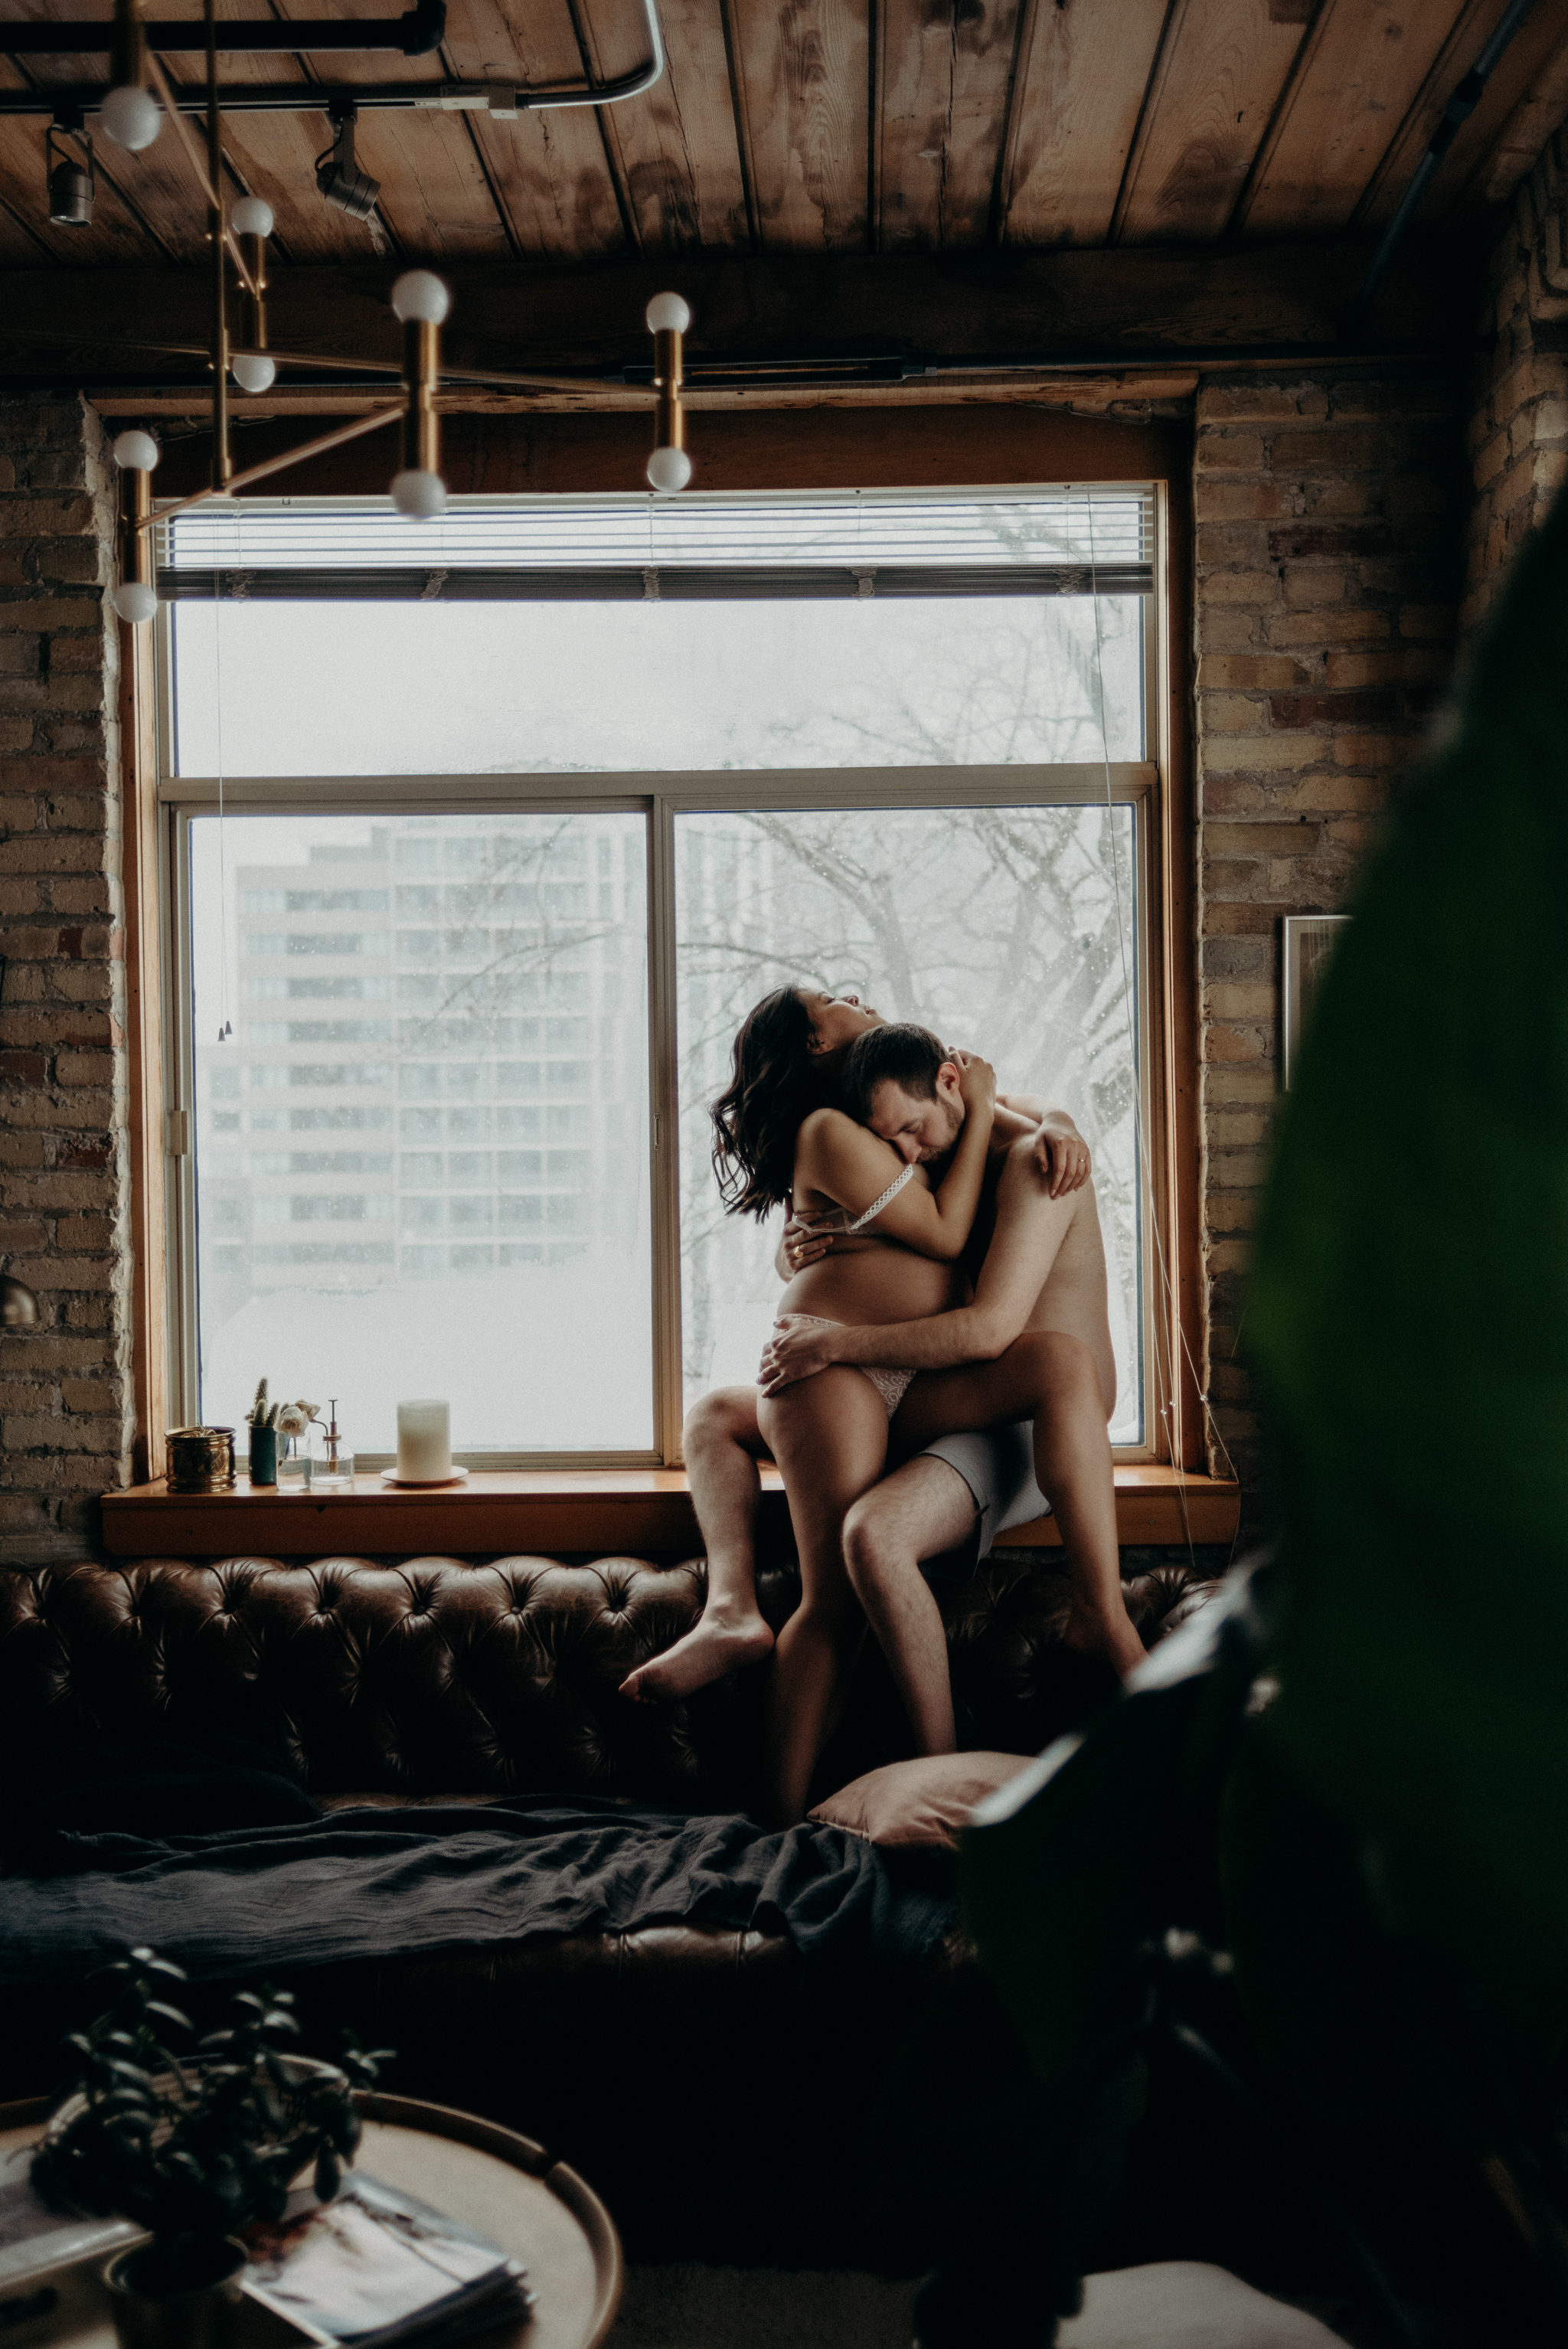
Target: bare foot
(717, 1645)
(1110, 1637)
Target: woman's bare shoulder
(834, 1129)
(829, 1139)
(828, 1121)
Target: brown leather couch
(675, 2066)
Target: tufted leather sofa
(675, 2065)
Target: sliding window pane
(422, 1121)
(1011, 930)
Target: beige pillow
(908, 1804)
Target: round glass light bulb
(255, 374)
(134, 452)
(669, 468)
(668, 313)
(251, 217)
(419, 496)
(134, 601)
(419, 293)
(132, 116)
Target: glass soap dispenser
(336, 1473)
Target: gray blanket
(387, 1883)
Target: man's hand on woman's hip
(797, 1349)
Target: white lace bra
(841, 1223)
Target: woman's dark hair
(774, 1085)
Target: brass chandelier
(129, 113)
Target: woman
(896, 1242)
(795, 1044)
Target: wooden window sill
(631, 1512)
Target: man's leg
(924, 1508)
(1051, 1378)
(1072, 1469)
(723, 1445)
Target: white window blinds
(1052, 541)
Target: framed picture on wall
(1309, 942)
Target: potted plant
(194, 2146)
(274, 1425)
(262, 1421)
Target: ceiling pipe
(501, 99)
(416, 35)
(1458, 112)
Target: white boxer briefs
(997, 1464)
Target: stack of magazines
(37, 2241)
(377, 2266)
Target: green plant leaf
(131, 2074)
(1409, 1314)
(1318, 1979)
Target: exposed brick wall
(1326, 552)
(65, 1383)
(1519, 424)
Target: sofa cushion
(918, 1805)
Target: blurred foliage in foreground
(1369, 1873)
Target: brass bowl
(201, 1459)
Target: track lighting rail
(415, 35)
(502, 100)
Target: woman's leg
(722, 1444)
(829, 1436)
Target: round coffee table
(503, 2185)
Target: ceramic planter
(201, 2318)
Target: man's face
(919, 1129)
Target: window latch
(178, 1123)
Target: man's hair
(901, 1054)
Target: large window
(477, 858)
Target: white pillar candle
(424, 1442)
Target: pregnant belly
(876, 1284)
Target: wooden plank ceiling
(804, 127)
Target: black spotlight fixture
(339, 177)
(71, 187)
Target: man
(1036, 1338)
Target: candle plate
(423, 1483)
